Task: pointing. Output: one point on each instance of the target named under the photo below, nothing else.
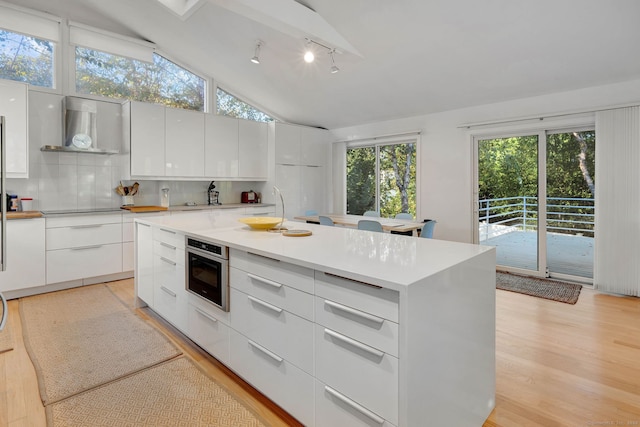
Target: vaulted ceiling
(408, 57)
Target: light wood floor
(557, 364)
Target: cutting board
(144, 208)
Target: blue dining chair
(404, 215)
(371, 213)
(310, 213)
(366, 224)
(325, 220)
(427, 229)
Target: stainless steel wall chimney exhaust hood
(80, 129)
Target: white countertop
(388, 260)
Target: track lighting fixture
(256, 54)
(309, 56)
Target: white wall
(446, 165)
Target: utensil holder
(127, 200)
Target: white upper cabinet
(301, 145)
(13, 106)
(147, 130)
(184, 143)
(221, 136)
(252, 149)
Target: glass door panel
(508, 200)
(361, 180)
(570, 203)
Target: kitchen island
(343, 327)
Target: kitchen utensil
(164, 197)
(134, 189)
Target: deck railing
(567, 215)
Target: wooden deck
(566, 254)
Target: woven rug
(542, 288)
(174, 393)
(85, 337)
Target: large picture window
(382, 178)
(229, 105)
(26, 59)
(162, 82)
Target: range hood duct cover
(80, 127)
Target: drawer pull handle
(352, 280)
(166, 245)
(265, 281)
(354, 343)
(82, 248)
(355, 312)
(168, 231)
(265, 351)
(168, 261)
(364, 411)
(145, 225)
(169, 291)
(265, 304)
(86, 226)
(207, 315)
(263, 256)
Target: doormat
(537, 287)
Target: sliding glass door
(536, 201)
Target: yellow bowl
(261, 222)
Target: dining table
(392, 225)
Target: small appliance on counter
(249, 197)
(213, 196)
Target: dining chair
(427, 229)
(404, 215)
(366, 224)
(325, 220)
(310, 213)
(371, 213)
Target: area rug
(174, 393)
(537, 287)
(84, 337)
(6, 339)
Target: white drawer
(208, 331)
(74, 220)
(83, 235)
(274, 328)
(371, 299)
(169, 294)
(285, 384)
(169, 236)
(294, 276)
(206, 305)
(72, 264)
(364, 327)
(365, 374)
(292, 300)
(169, 252)
(335, 409)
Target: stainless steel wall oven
(207, 271)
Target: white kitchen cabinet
(146, 133)
(169, 294)
(25, 256)
(221, 138)
(184, 143)
(287, 141)
(14, 107)
(83, 246)
(314, 146)
(144, 263)
(252, 149)
(303, 188)
(128, 237)
(300, 145)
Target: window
(229, 105)
(382, 178)
(162, 82)
(26, 59)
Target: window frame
(253, 105)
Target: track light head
(308, 53)
(334, 68)
(256, 54)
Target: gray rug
(537, 287)
(81, 338)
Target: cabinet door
(147, 139)
(13, 106)
(312, 189)
(184, 143)
(25, 255)
(252, 149)
(288, 181)
(221, 146)
(144, 263)
(287, 139)
(314, 146)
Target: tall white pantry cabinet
(14, 107)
